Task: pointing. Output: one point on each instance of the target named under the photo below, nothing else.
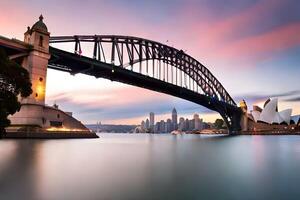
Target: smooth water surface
(142, 166)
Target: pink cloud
(225, 42)
(259, 46)
(112, 97)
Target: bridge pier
(232, 118)
(235, 127)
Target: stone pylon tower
(37, 61)
(32, 110)
(34, 116)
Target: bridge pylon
(34, 112)
(36, 63)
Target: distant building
(169, 125)
(162, 126)
(174, 119)
(156, 127)
(198, 122)
(143, 125)
(181, 126)
(191, 124)
(152, 122)
(147, 124)
(207, 125)
(186, 125)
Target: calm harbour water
(142, 166)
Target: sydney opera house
(269, 118)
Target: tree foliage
(14, 82)
(219, 123)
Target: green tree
(14, 82)
(219, 123)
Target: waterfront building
(147, 124)
(269, 118)
(198, 122)
(186, 124)
(162, 126)
(208, 125)
(152, 121)
(181, 126)
(174, 119)
(191, 124)
(156, 127)
(201, 123)
(143, 125)
(269, 114)
(295, 119)
(169, 125)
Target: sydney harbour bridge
(143, 63)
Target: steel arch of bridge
(126, 52)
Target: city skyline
(171, 123)
(256, 42)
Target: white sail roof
(255, 115)
(277, 119)
(269, 112)
(295, 118)
(286, 115)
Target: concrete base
(40, 121)
(45, 117)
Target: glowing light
(63, 129)
(40, 90)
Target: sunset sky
(251, 46)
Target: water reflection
(151, 167)
(18, 169)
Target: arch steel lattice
(155, 60)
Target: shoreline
(225, 132)
(50, 135)
(269, 133)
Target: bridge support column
(232, 119)
(235, 126)
(36, 63)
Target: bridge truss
(170, 68)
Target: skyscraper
(147, 124)
(156, 127)
(162, 126)
(174, 119)
(187, 124)
(143, 125)
(152, 120)
(168, 128)
(197, 122)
